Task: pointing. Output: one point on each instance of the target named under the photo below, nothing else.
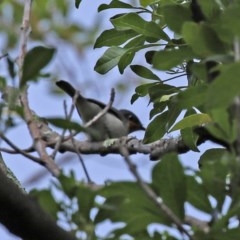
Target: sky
(111, 167)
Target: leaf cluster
(181, 38)
(84, 209)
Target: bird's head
(134, 123)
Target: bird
(114, 124)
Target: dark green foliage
(36, 59)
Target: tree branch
(38, 143)
(25, 30)
(24, 217)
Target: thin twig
(3, 56)
(172, 78)
(151, 194)
(103, 111)
(18, 150)
(62, 137)
(89, 180)
(68, 116)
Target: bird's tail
(66, 87)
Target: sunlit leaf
(191, 121)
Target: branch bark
(24, 217)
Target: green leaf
(138, 41)
(144, 72)
(190, 138)
(141, 91)
(156, 128)
(125, 60)
(126, 202)
(229, 21)
(197, 195)
(113, 37)
(232, 233)
(65, 124)
(114, 4)
(228, 83)
(167, 59)
(191, 121)
(132, 21)
(193, 96)
(35, 60)
(202, 38)
(146, 3)
(77, 3)
(46, 201)
(224, 124)
(162, 92)
(215, 165)
(160, 125)
(158, 107)
(68, 184)
(109, 59)
(175, 15)
(169, 180)
(86, 201)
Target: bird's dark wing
(111, 110)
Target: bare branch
(3, 56)
(156, 149)
(62, 138)
(38, 143)
(24, 217)
(102, 112)
(72, 140)
(25, 30)
(18, 150)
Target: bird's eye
(130, 117)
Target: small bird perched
(114, 124)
